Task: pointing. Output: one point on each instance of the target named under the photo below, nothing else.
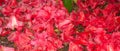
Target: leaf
(68, 4)
(75, 1)
(65, 48)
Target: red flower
(3, 48)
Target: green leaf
(68, 4)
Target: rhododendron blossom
(48, 25)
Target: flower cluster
(46, 25)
